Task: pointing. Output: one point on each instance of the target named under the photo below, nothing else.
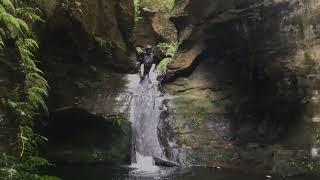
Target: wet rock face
(89, 31)
(255, 78)
(107, 19)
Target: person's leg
(142, 70)
(146, 70)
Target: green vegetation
(196, 108)
(316, 137)
(170, 49)
(198, 119)
(137, 9)
(28, 96)
(139, 50)
(26, 169)
(107, 44)
(158, 5)
(119, 120)
(308, 60)
(305, 19)
(162, 66)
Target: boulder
(164, 163)
(184, 61)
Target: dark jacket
(148, 59)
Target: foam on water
(144, 164)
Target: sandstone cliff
(245, 76)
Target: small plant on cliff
(119, 120)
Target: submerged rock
(164, 163)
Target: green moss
(198, 119)
(204, 104)
(161, 5)
(308, 60)
(194, 104)
(228, 154)
(304, 19)
(195, 107)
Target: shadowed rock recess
(245, 85)
(84, 52)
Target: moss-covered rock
(253, 85)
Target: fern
(7, 4)
(28, 13)
(23, 26)
(15, 22)
(28, 98)
(37, 85)
(1, 43)
(11, 24)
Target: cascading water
(146, 104)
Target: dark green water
(102, 172)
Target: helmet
(148, 47)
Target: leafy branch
(16, 19)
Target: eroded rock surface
(88, 31)
(249, 97)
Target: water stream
(145, 110)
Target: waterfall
(145, 108)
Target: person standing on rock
(147, 61)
